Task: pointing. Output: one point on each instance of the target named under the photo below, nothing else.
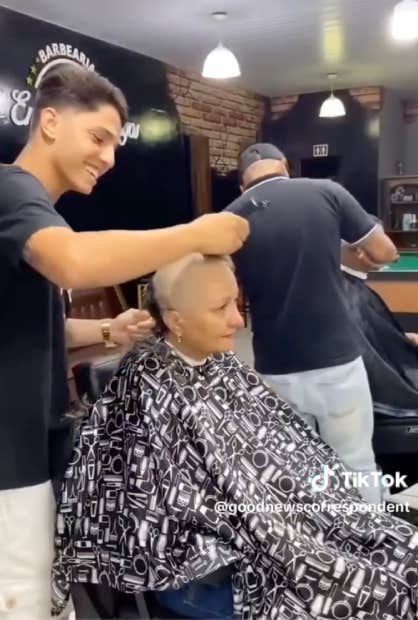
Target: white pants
(27, 519)
(336, 401)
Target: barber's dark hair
(151, 304)
(69, 85)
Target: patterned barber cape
(167, 445)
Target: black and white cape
(161, 450)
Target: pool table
(397, 284)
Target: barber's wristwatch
(107, 339)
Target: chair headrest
(91, 377)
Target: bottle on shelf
(406, 221)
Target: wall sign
(49, 56)
(152, 168)
(320, 150)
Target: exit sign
(320, 150)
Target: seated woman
(189, 462)
(390, 355)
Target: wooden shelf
(404, 232)
(391, 211)
(412, 203)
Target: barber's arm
(356, 258)
(123, 329)
(359, 230)
(378, 248)
(89, 260)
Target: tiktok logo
(321, 481)
(356, 479)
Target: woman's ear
(173, 321)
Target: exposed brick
(370, 96)
(202, 107)
(205, 89)
(247, 125)
(234, 139)
(174, 78)
(229, 123)
(227, 115)
(236, 98)
(365, 90)
(410, 110)
(237, 131)
(183, 101)
(217, 143)
(213, 100)
(213, 118)
(214, 135)
(230, 105)
(282, 105)
(216, 152)
(208, 125)
(178, 80)
(189, 111)
(236, 116)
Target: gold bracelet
(105, 329)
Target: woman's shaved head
(174, 284)
(194, 302)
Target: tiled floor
(409, 496)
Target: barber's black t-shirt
(290, 271)
(33, 381)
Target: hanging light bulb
(405, 21)
(221, 63)
(332, 107)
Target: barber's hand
(220, 233)
(130, 326)
(413, 338)
(356, 258)
(366, 262)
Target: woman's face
(206, 315)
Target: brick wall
(370, 97)
(410, 111)
(280, 106)
(229, 117)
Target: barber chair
(209, 598)
(91, 378)
(395, 444)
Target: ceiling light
(332, 107)
(405, 21)
(220, 63)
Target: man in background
(305, 343)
